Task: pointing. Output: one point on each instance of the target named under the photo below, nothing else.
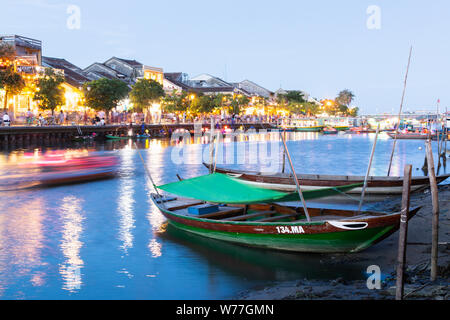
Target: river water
(106, 239)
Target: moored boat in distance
(358, 130)
(285, 181)
(341, 128)
(113, 137)
(330, 130)
(410, 135)
(301, 125)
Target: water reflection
(256, 263)
(21, 240)
(71, 245)
(156, 220)
(126, 199)
(106, 239)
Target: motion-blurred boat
(57, 169)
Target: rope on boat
(148, 173)
(353, 198)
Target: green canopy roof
(221, 188)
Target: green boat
(303, 129)
(341, 128)
(224, 208)
(111, 137)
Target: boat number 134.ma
(290, 229)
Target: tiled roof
(130, 62)
(73, 74)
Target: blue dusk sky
(319, 46)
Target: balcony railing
(22, 41)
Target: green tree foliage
(295, 96)
(104, 94)
(353, 112)
(11, 81)
(7, 51)
(342, 110)
(203, 104)
(145, 92)
(220, 100)
(238, 102)
(49, 92)
(344, 98)
(175, 103)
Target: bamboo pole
(368, 169)
(438, 138)
(211, 145)
(403, 233)
(435, 218)
(400, 113)
(299, 190)
(216, 151)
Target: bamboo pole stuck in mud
(403, 233)
(399, 113)
(435, 217)
(368, 169)
(299, 190)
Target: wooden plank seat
(249, 215)
(276, 218)
(223, 211)
(178, 205)
(321, 218)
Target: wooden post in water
(403, 233)
(299, 190)
(435, 218)
(368, 169)
(399, 113)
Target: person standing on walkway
(30, 116)
(61, 117)
(6, 120)
(41, 120)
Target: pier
(20, 136)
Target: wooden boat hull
(285, 182)
(308, 129)
(326, 236)
(301, 129)
(342, 128)
(410, 136)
